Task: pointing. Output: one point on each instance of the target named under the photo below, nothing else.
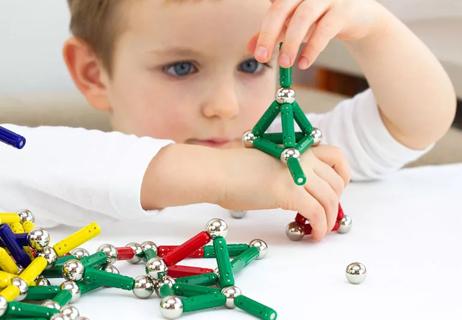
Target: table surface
(406, 230)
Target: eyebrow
(176, 51)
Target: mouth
(214, 142)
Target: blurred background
(35, 88)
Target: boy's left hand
(311, 23)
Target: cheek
(257, 97)
(149, 110)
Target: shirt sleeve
(355, 126)
(73, 175)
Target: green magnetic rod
(225, 271)
(92, 261)
(288, 145)
(186, 290)
(21, 309)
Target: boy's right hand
(254, 180)
(247, 179)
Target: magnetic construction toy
(288, 146)
(301, 227)
(11, 138)
(27, 261)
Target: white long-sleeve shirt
(72, 175)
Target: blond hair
(97, 23)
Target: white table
(407, 230)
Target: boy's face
(182, 71)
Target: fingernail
(303, 63)
(261, 52)
(284, 60)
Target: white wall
(31, 36)
(32, 33)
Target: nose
(222, 102)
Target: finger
(335, 158)
(326, 29)
(329, 175)
(306, 14)
(314, 212)
(252, 44)
(272, 26)
(301, 201)
(309, 33)
(326, 196)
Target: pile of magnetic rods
(28, 260)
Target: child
(181, 71)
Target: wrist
(381, 21)
(182, 174)
(245, 173)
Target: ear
(87, 71)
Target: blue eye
(180, 69)
(250, 66)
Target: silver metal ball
(230, 293)
(38, 239)
(59, 316)
(171, 307)
(79, 253)
(22, 286)
(26, 215)
(238, 214)
(262, 247)
(155, 266)
(166, 280)
(111, 269)
(294, 232)
(217, 228)
(345, 224)
(356, 272)
(70, 312)
(50, 256)
(110, 251)
(144, 287)
(136, 247)
(247, 139)
(316, 134)
(73, 270)
(285, 95)
(73, 288)
(289, 153)
(41, 281)
(51, 304)
(3, 305)
(146, 245)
